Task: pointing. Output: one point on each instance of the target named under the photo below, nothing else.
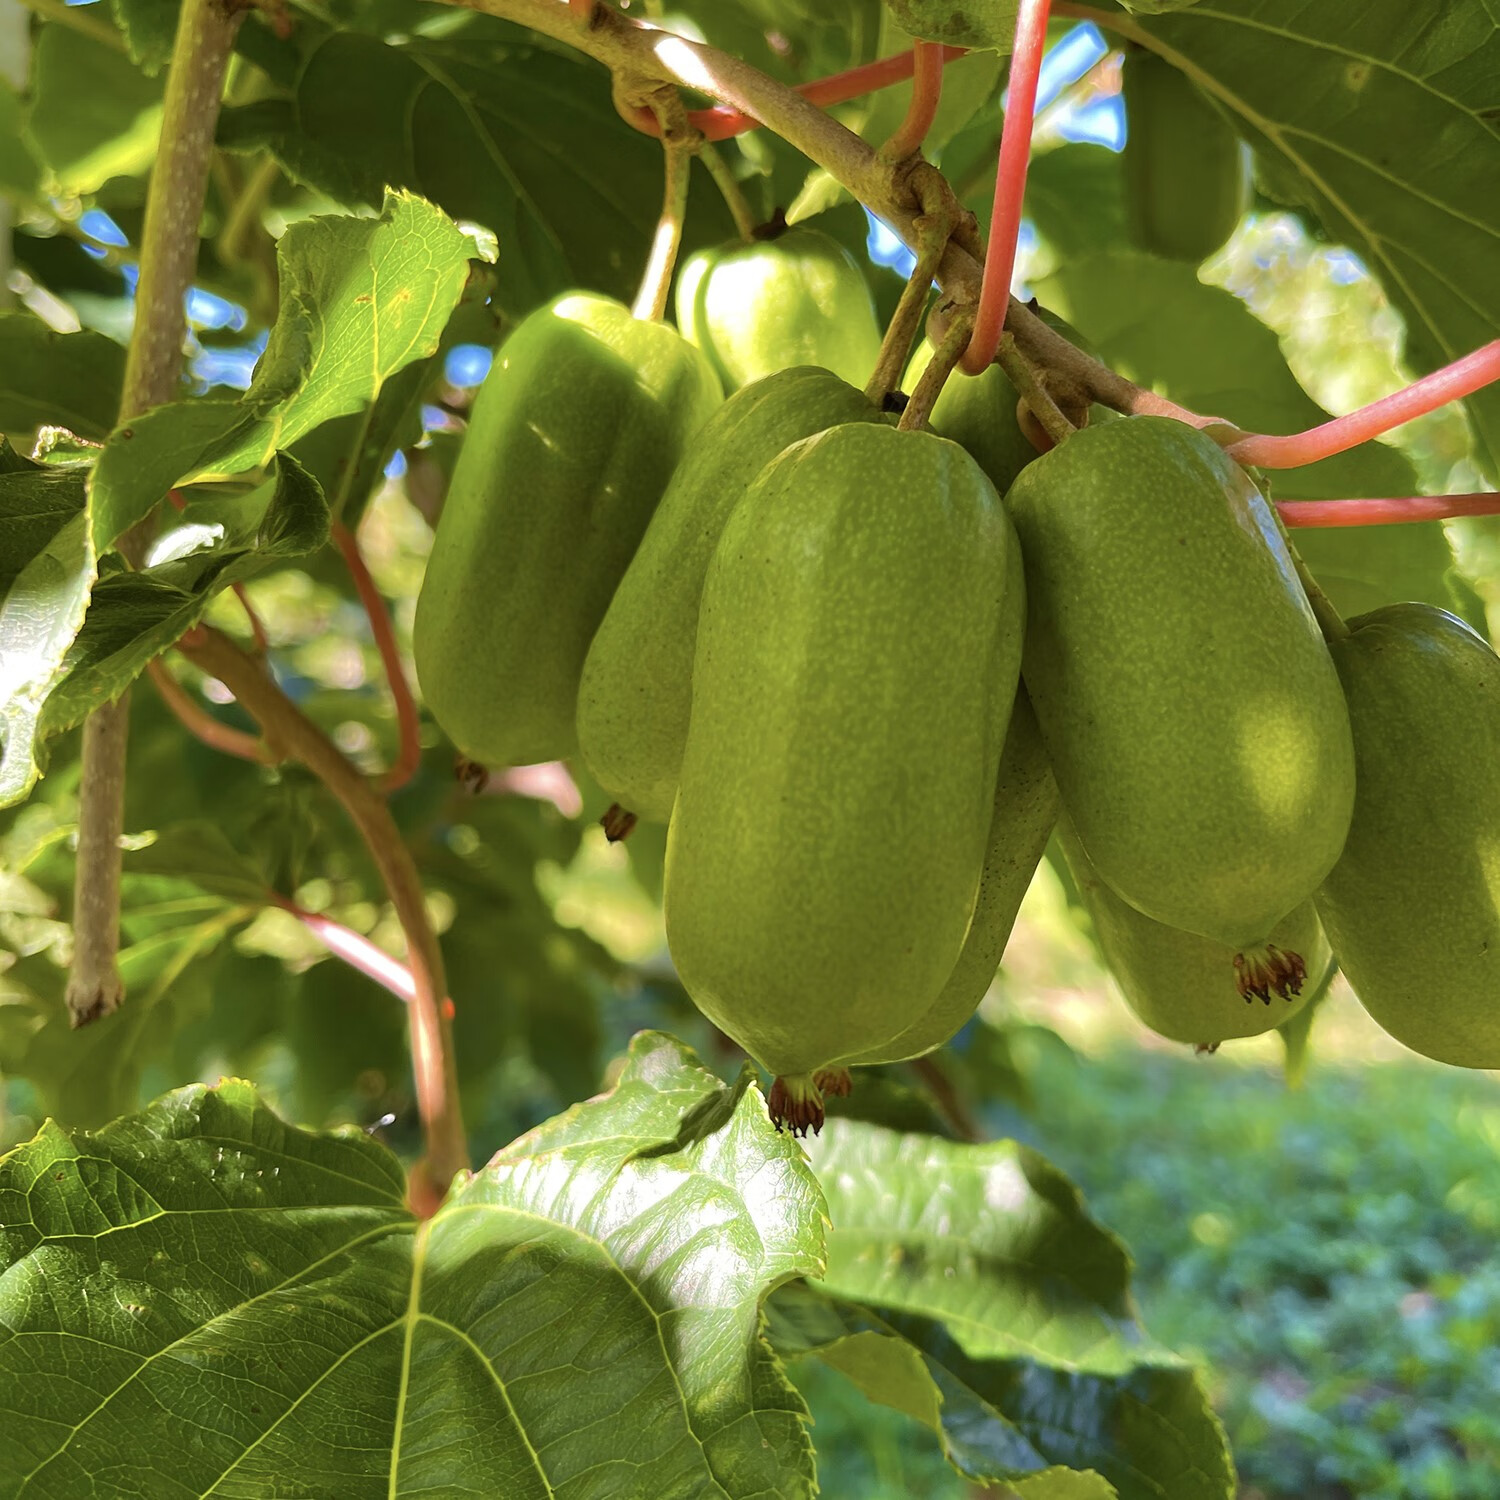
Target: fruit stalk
(894, 192)
(729, 189)
(678, 140)
(933, 233)
(1026, 379)
(930, 386)
(1010, 183)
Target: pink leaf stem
(1010, 184)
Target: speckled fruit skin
(1185, 180)
(572, 439)
(637, 687)
(1180, 985)
(1021, 821)
(798, 299)
(1189, 706)
(1413, 905)
(852, 687)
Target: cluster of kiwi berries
(865, 691)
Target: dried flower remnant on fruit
(796, 1105)
(617, 823)
(470, 775)
(834, 1082)
(1262, 972)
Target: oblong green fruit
(1190, 708)
(1021, 821)
(850, 701)
(637, 687)
(1180, 985)
(572, 439)
(798, 299)
(1413, 905)
(1185, 180)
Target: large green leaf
(134, 616)
(991, 1239)
(47, 566)
(1154, 321)
(1379, 117)
(968, 1287)
(59, 668)
(93, 114)
(67, 380)
(1146, 1433)
(385, 286)
(361, 298)
(202, 1300)
(522, 140)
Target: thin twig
(408, 721)
(926, 92)
(257, 625)
(678, 141)
(930, 385)
(1010, 183)
(202, 725)
(294, 736)
(1033, 388)
(729, 189)
(169, 253)
(1330, 621)
(1386, 512)
(895, 348)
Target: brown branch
(898, 192)
(169, 254)
(293, 736)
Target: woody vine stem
(169, 248)
(169, 253)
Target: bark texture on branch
(153, 365)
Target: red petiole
(1010, 184)
(1324, 513)
(408, 722)
(838, 88)
(1462, 378)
